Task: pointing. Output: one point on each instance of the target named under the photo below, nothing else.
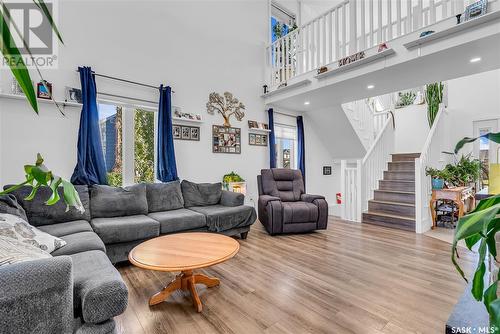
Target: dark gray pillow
(164, 196)
(107, 201)
(201, 194)
(9, 204)
(39, 213)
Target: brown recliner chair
(283, 205)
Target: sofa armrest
(265, 199)
(230, 198)
(310, 198)
(37, 296)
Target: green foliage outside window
(144, 130)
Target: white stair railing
(350, 27)
(371, 168)
(431, 156)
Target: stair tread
(391, 202)
(396, 191)
(388, 215)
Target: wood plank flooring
(351, 278)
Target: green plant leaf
(495, 137)
(494, 311)
(41, 4)
(478, 280)
(71, 196)
(472, 240)
(15, 61)
(490, 294)
(33, 192)
(493, 228)
(54, 198)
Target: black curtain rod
(125, 80)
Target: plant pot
(437, 184)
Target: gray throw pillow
(201, 194)
(17, 228)
(9, 204)
(15, 251)
(107, 201)
(164, 196)
(39, 213)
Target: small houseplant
(438, 177)
(433, 97)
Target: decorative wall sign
(44, 90)
(257, 139)
(351, 58)
(258, 125)
(327, 170)
(186, 132)
(226, 139)
(226, 105)
(475, 10)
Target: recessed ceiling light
(370, 86)
(475, 60)
(307, 103)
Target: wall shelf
(288, 87)
(366, 60)
(257, 130)
(186, 120)
(459, 27)
(23, 97)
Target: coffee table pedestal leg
(185, 281)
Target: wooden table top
(184, 251)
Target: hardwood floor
(351, 278)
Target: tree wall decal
(226, 105)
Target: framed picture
(195, 133)
(73, 94)
(176, 130)
(476, 9)
(186, 132)
(44, 91)
(257, 139)
(327, 170)
(226, 139)
(257, 125)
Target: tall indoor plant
(433, 96)
(479, 228)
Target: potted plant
(437, 177)
(233, 182)
(433, 97)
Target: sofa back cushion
(107, 201)
(164, 196)
(201, 194)
(287, 184)
(38, 213)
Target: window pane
(286, 144)
(144, 146)
(110, 125)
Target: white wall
(195, 46)
(412, 129)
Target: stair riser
(396, 185)
(389, 222)
(394, 197)
(402, 210)
(405, 176)
(405, 157)
(405, 166)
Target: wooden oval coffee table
(184, 252)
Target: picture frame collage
(226, 139)
(184, 132)
(256, 139)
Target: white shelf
(456, 28)
(257, 130)
(366, 60)
(23, 97)
(288, 87)
(186, 120)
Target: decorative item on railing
(352, 58)
(382, 47)
(322, 69)
(226, 105)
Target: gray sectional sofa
(79, 290)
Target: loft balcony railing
(350, 27)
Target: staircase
(393, 204)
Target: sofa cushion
(164, 196)
(201, 194)
(106, 201)
(80, 242)
(15, 251)
(9, 204)
(128, 228)
(99, 290)
(299, 212)
(221, 218)
(17, 228)
(41, 214)
(178, 220)
(63, 229)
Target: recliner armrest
(264, 199)
(310, 198)
(230, 198)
